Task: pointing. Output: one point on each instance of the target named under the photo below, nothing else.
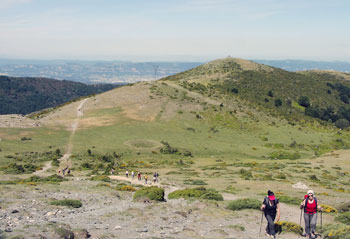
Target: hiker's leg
(313, 223)
(307, 223)
(270, 223)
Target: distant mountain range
(20, 95)
(300, 65)
(92, 72)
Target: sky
(175, 30)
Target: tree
(278, 102)
(345, 99)
(304, 101)
(270, 93)
(342, 123)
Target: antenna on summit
(155, 67)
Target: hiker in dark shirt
(271, 209)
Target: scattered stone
(117, 227)
(142, 230)
(300, 185)
(81, 234)
(8, 229)
(15, 211)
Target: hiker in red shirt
(310, 213)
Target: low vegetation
(200, 192)
(68, 203)
(289, 227)
(246, 203)
(152, 193)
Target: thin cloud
(12, 3)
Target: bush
(152, 193)
(289, 227)
(278, 102)
(328, 209)
(336, 231)
(213, 196)
(245, 203)
(127, 188)
(103, 178)
(194, 182)
(68, 203)
(50, 179)
(55, 162)
(342, 123)
(284, 155)
(304, 101)
(200, 192)
(344, 218)
(344, 207)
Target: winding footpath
(64, 160)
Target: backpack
(266, 201)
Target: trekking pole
(321, 223)
(301, 214)
(262, 216)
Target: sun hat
(311, 192)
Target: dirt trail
(64, 160)
(194, 94)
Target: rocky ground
(106, 213)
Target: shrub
(200, 192)
(304, 101)
(336, 231)
(152, 193)
(245, 203)
(194, 182)
(278, 102)
(344, 218)
(328, 209)
(290, 227)
(68, 203)
(127, 188)
(55, 162)
(344, 207)
(342, 123)
(211, 195)
(284, 155)
(50, 179)
(103, 178)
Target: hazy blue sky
(175, 29)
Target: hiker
(310, 206)
(139, 176)
(154, 178)
(271, 209)
(146, 178)
(127, 173)
(157, 175)
(112, 171)
(133, 174)
(68, 172)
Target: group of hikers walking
(139, 176)
(64, 171)
(271, 210)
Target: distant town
(92, 72)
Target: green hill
(207, 126)
(23, 95)
(323, 95)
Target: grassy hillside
(272, 89)
(25, 95)
(194, 129)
